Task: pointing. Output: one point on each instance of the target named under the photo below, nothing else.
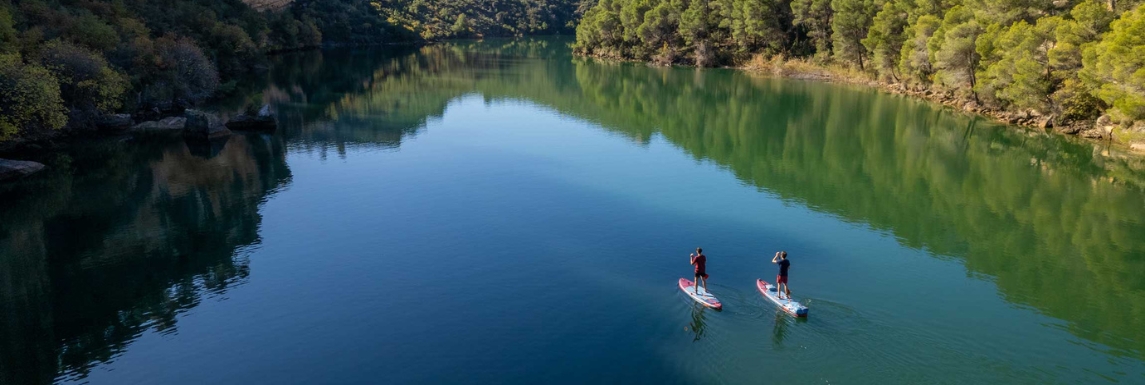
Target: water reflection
(1033, 211)
(697, 324)
(120, 237)
(779, 331)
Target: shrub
(29, 97)
(182, 72)
(87, 82)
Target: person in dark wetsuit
(701, 262)
(781, 279)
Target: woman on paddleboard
(780, 259)
(701, 262)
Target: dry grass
(807, 69)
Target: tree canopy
(1073, 59)
(107, 56)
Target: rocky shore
(194, 125)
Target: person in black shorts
(781, 279)
(701, 262)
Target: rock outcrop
(203, 125)
(261, 121)
(116, 122)
(12, 169)
(165, 124)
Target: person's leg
(705, 282)
(779, 287)
(697, 284)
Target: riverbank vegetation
(74, 63)
(1063, 60)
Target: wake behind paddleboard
(791, 307)
(703, 297)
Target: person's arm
(692, 259)
(775, 259)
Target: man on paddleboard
(701, 262)
(780, 259)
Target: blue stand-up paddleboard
(703, 297)
(791, 307)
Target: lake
(504, 212)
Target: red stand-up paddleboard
(703, 297)
(791, 307)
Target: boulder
(262, 121)
(1095, 133)
(165, 124)
(1103, 121)
(1138, 127)
(1071, 129)
(1045, 122)
(116, 122)
(203, 125)
(1137, 146)
(12, 169)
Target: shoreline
(797, 69)
(1098, 131)
(1091, 131)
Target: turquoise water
(501, 212)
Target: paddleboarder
(780, 259)
(701, 262)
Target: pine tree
(849, 27)
(1115, 66)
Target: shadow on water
(118, 238)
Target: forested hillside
(436, 19)
(73, 62)
(1069, 59)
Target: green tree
(632, 17)
(658, 32)
(915, 59)
(954, 51)
(461, 26)
(886, 36)
(755, 25)
(600, 31)
(849, 26)
(92, 32)
(9, 40)
(1017, 72)
(1115, 66)
(29, 97)
(1073, 99)
(696, 28)
(815, 17)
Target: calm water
(502, 212)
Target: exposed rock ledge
(13, 169)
